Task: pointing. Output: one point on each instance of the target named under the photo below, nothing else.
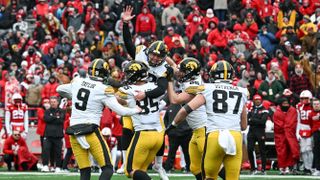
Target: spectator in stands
(49, 89)
(178, 28)
(192, 27)
(33, 94)
(220, 9)
(41, 9)
(268, 40)
(63, 45)
(209, 17)
(271, 88)
(299, 81)
(219, 38)
(16, 151)
(145, 23)
(53, 134)
(109, 19)
(198, 36)
(282, 61)
(169, 12)
(287, 147)
(250, 26)
(12, 86)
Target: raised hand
(127, 14)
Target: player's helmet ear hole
(135, 71)
(190, 67)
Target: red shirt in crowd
(218, 39)
(41, 123)
(145, 23)
(23, 154)
(315, 121)
(49, 90)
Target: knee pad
(161, 150)
(140, 175)
(127, 135)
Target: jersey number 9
(82, 96)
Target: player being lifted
(190, 78)
(17, 116)
(89, 97)
(146, 124)
(227, 116)
(155, 57)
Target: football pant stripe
(105, 151)
(203, 157)
(131, 151)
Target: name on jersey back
(227, 87)
(87, 84)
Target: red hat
(17, 129)
(196, 8)
(173, 18)
(257, 97)
(81, 32)
(249, 15)
(237, 27)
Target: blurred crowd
(272, 45)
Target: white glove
(83, 142)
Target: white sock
(158, 161)
(124, 158)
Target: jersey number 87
(220, 97)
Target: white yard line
(155, 174)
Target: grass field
(75, 176)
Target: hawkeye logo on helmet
(135, 67)
(191, 65)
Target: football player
(303, 131)
(155, 57)
(146, 124)
(89, 96)
(17, 115)
(189, 76)
(227, 116)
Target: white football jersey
(224, 104)
(159, 71)
(149, 118)
(89, 97)
(197, 118)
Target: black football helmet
(159, 49)
(135, 71)
(190, 67)
(99, 70)
(221, 71)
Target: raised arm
(127, 17)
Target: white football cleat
(45, 169)
(58, 170)
(162, 173)
(120, 170)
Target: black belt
(149, 130)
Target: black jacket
(182, 129)
(54, 119)
(257, 117)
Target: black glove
(169, 128)
(170, 73)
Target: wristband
(187, 108)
